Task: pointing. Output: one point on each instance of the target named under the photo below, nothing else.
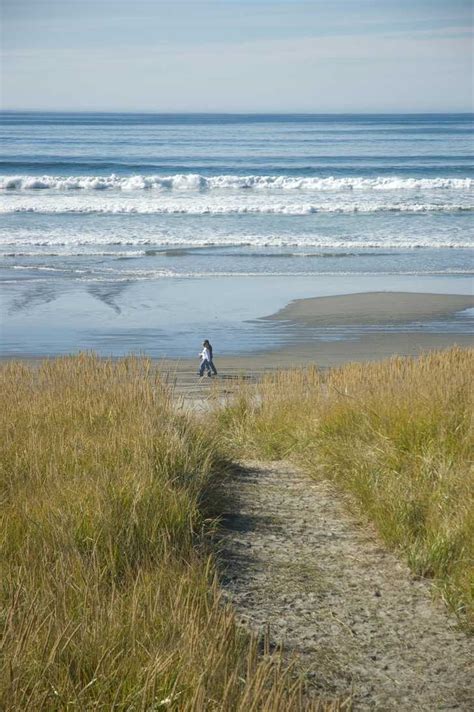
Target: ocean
(141, 232)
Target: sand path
(294, 559)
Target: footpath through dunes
(360, 623)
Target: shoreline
(368, 309)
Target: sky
(322, 56)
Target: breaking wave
(274, 209)
(150, 248)
(197, 182)
(111, 275)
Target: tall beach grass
(108, 590)
(397, 435)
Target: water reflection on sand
(171, 317)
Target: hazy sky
(238, 55)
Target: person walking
(211, 361)
(205, 357)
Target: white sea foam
(257, 241)
(196, 182)
(114, 208)
(146, 275)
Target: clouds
(229, 59)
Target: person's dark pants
(213, 368)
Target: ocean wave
(270, 209)
(147, 275)
(83, 253)
(150, 248)
(197, 182)
(190, 252)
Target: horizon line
(153, 112)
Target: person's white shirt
(205, 355)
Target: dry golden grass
(109, 599)
(397, 435)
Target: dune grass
(109, 595)
(396, 435)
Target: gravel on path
(358, 620)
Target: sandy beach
(381, 308)
(377, 310)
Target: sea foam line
(276, 209)
(151, 248)
(145, 275)
(197, 182)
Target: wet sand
(370, 347)
(372, 308)
(367, 309)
